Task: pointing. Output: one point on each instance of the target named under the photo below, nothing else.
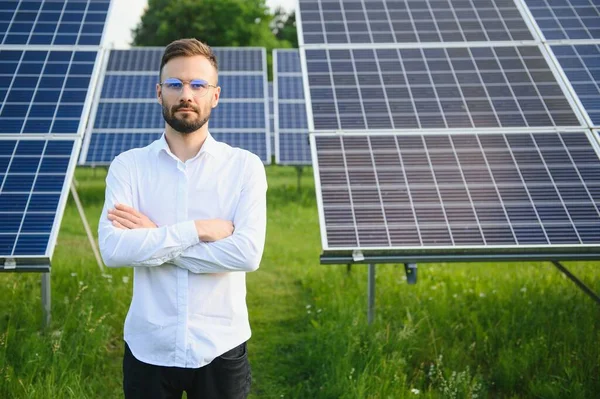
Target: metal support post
(411, 272)
(579, 283)
(371, 299)
(46, 299)
(86, 226)
(299, 170)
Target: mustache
(175, 108)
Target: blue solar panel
(581, 65)
(128, 106)
(566, 19)
(271, 118)
(148, 59)
(32, 182)
(52, 22)
(43, 91)
(291, 124)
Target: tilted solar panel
(410, 21)
(32, 185)
(566, 19)
(52, 22)
(127, 104)
(290, 122)
(581, 66)
(271, 118)
(44, 91)
(435, 88)
(445, 195)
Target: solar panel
(44, 91)
(456, 195)
(435, 88)
(290, 121)
(52, 22)
(32, 185)
(581, 66)
(410, 21)
(271, 117)
(566, 19)
(127, 113)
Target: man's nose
(187, 94)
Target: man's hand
(213, 229)
(125, 217)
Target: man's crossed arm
(129, 238)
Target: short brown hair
(187, 48)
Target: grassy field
(507, 330)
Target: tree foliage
(236, 23)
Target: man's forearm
(145, 246)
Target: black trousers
(226, 377)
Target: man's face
(187, 110)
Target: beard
(185, 125)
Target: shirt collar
(210, 146)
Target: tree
(217, 22)
(283, 26)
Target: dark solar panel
(410, 21)
(44, 91)
(455, 192)
(52, 22)
(413, 88)
(581, 65)
(128, 105)
(32, 182)
(566, 19)
(291, 121)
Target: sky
(125, 15)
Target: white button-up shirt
(189, 297)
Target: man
(189, 214)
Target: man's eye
(174, 85)
(198, 85)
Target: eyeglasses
(199, 87)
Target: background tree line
(238, 23)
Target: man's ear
(216, 96)
(159, 93)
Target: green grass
(506, 330)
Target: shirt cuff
(188, 235)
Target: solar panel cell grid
(581, 65)
(566, 19)
(43, 91)
(411, 21)
(434, 88)
(410, 190)
(32, 177)
(292, 124)
(52, 22)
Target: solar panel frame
(293, 137)
(590, 121)
(552, 67)
(432, 253)
(130, 66)
(389, 20)
(15, 262)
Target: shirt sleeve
(137, 247)
(242, 251)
